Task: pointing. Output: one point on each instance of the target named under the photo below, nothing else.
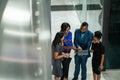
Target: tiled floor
(113, 74)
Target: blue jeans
(80, 60)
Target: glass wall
(25, 52)
(90, 11)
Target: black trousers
(65, 69)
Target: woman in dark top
(57, 49)
(67, 46)
(98, 55)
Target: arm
(102, 57)
(102, 61)
(67, 47)
(92, 48)
(56, 56)
(75, 40)
(90, 41)
(70, 39)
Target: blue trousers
(80, 61)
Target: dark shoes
(75, 78)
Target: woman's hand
(64, 41)
(74, 48)
(63, 54)
(67, 55)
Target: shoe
(83, 79)
(75, 78)
(62, 78)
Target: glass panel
(90, 11)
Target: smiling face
(67, 30)
(83, 29)
(96, 40)
(65, 27)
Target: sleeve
(56, 48)
(102, 50)
(90, 41)
(70, 35)
(75, 39)
(71, 44)
(93, 47)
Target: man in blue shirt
(82, 41)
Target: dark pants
(80, 60)
(65, 64)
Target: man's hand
(79, 48)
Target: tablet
(83, 52)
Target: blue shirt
(82, 35)
(68, 42)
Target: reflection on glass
(25, 40)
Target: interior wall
(111, 32)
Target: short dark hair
(98, 34)
(64, 26)
(84, 24)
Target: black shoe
(75, 78)
(83, 79)
(62, 78)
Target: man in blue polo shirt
(82, 41)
